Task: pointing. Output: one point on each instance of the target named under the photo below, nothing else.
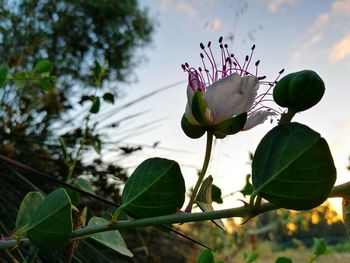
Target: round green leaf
(112, 239)
(43, 66)
(84, 184)
(20, 79)
(45, 83)
(51, 227)
(206, 256)
(27, 210)
(74, 196)
(293, 167)
(108, 97)
(320, 247)
(155, 188)
(254, 256)
(283, 260)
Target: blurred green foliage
(65, 37)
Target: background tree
(72, 35)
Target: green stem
(82, 143)
(287, 116)
(72, 165)
(116, 214)
(312, 259)
(203, 171)
(154, 221)
(340, 190)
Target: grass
(337, 254)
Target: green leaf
(43, 67)
(63, 147)
(206, 256)
(95, 108)
(84, 184)
(283, 260)
(155, 188)
(28, 208)
(111, 239)
(51, 226)
(108, 97)
(293, 167)
(20, 79)
(191, 130)
(97, 70)
(4, 70)
(45, 83)
(204, 200)
(96, 143)
(216, 194)
(252, 257)
(320, 247)
(74, 196)
(248, 189)
(230, 126)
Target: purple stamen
(210, 72)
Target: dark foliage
(72, 35)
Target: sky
(290, 34)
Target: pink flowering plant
(292, 166)
(224, 98)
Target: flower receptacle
(230, 126)
(191, 130)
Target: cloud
(329, 34)
(321, 20)
(180, 7)
(340, 50)
(341, 7)
(313, 40)
(212, 25)
(186, 8)
(275, 5)
(216, 24)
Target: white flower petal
(190, 93)
(256, 118)
(249, 89)
(222, 97)
(189, 115)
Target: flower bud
(299, 91)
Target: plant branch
(203, 171)
(340, 190)
(153, 221)
(82, 143)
